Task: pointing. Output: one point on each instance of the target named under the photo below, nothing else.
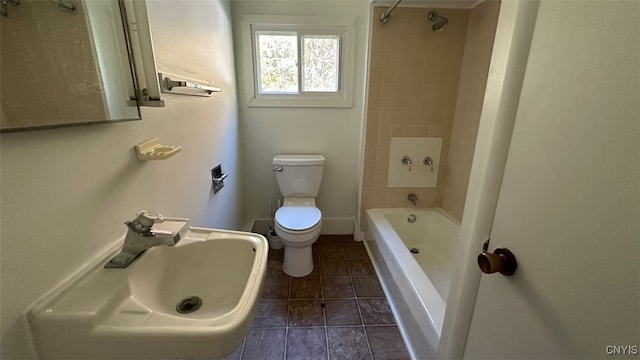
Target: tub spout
(414, 199)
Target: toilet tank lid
(298, 160)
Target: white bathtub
(417, 285)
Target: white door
(569, 203)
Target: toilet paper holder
(217, 176)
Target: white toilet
(298, 221)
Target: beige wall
(413, 84)
(66, 192)
(473, 79)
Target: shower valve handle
(406, 161)
(428, 162)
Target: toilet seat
(298, 239)
(298, 219)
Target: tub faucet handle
(406, 161)
(428, 162)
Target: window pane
(278, 63)
(321, 62)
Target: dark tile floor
(339, 311)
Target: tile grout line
(286, 327)
(355, 295)
(244, 343)
(356, 298)
(286, 339)
(324, 308)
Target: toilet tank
(300, 176)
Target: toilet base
(298, 261)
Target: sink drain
(189, 305)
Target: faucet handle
(406, 160)
(429, 162)
(148, 218)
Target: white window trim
(304, 24)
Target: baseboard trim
(249, 225)
(330, 226)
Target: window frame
(344, 28)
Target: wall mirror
(64, 62)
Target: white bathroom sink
(132, 313)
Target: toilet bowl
(298, 225)
(298, 222)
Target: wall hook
(406, 161)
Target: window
(281, 69)
(299, 61)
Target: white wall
(573, 228)
(65, 193)
(334, 133)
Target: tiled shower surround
(413, 84)
(339, 311)
(424, 83)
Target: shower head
(437, 22)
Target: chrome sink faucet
(414, 199)
(140, 237)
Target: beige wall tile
(467, 108)
(424, 83)
(417, 79)
(373, 103)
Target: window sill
(306, 102)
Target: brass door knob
(501, 260)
